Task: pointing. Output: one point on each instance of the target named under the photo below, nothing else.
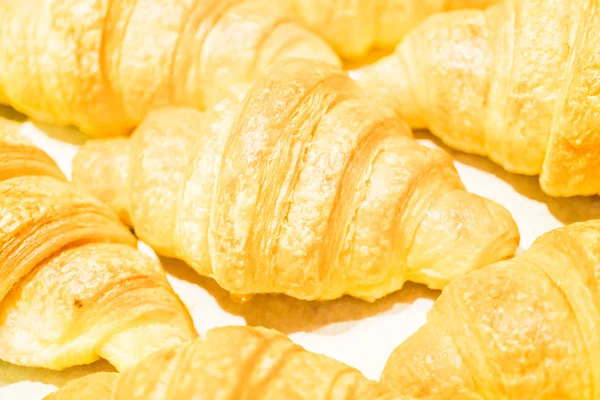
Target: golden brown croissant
(101, 65)
(517, 82)
(520, 329)
(303, 189)
(18, 156)
(354, 27)
(73, 286)
(231, 363)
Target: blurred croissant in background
(518, 82)
(231, 363)
(355, 27)
(303, 189)
(73, 286)
(103, 65)
(525, 328)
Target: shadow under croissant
(60, 133)
(63, 134)
(7, 112)
(373, 56)
(290, 315)
(10, 374)
(567, 210)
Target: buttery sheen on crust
(303, 189)
(73, 286)
(526, 328)
(102, 65)
(262, 364)
(353, 28)
(518, 82)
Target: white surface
(355, 332)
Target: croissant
(520, 329)
(263, 364)
(353, 28)
(73, 286)
(101, 65)
(303, 189)
(517, 82)
(19, 157)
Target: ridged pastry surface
(102, 65)
(263, 364)
(18, 156)
(519, 329)
(73, 285)
(69, 265)
(517, 82)
(304, 188)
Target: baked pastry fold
(523, 328)
(304, 188)
(19, 157)
(517, 82)
(102, 65)
(73, 285)
(354, 28)
(263, 364)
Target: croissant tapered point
(516, 82)
(388, 81)
(263, 364)
(520, 327)
(304, 188)
(69, 265)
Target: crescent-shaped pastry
(526, 328)
(102, 65)
(304, 189)
(73, 286)
(518, 82)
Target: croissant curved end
(462, 232)
(101, 168)
(389, 83)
